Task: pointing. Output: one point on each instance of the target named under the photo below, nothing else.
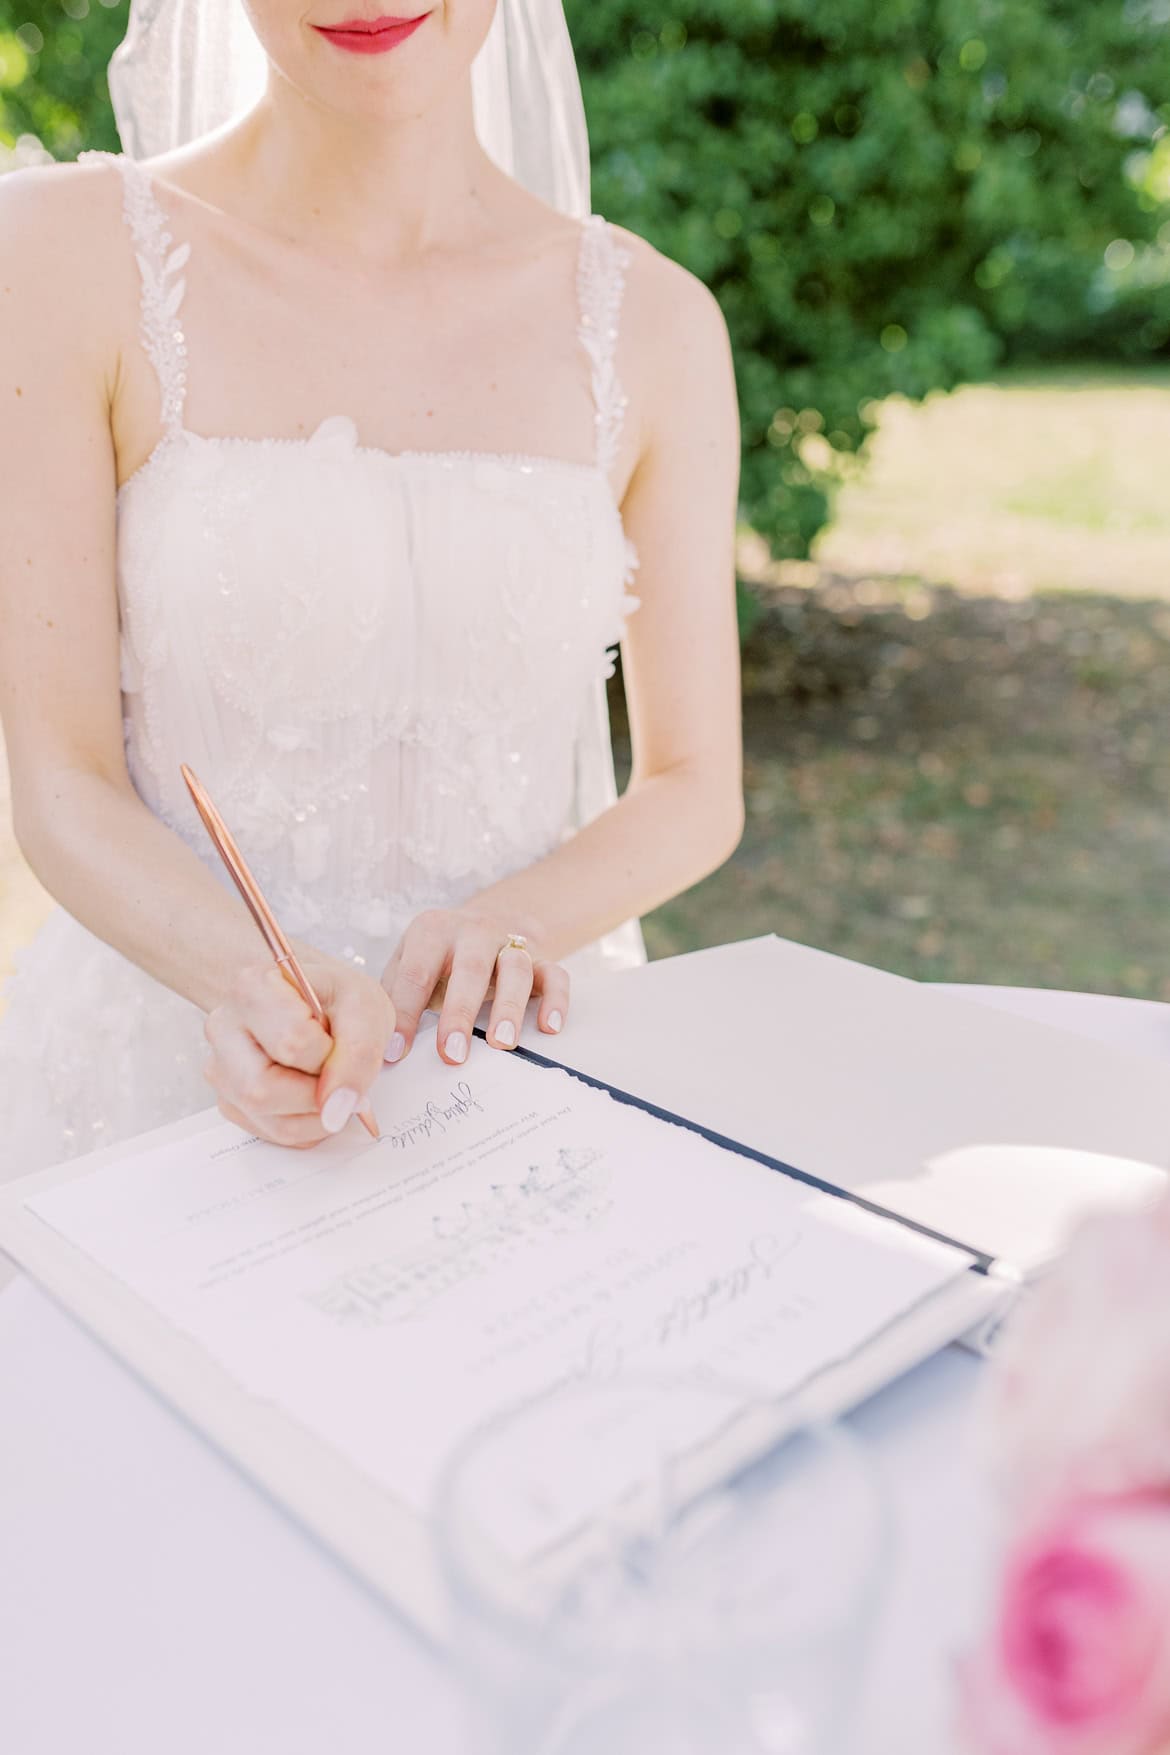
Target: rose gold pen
(262, 914)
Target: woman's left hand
(458, 957)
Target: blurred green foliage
(53, 57)
(886, 195)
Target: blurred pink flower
(1078, 1661)
(1080, 1395)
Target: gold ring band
(515, 941)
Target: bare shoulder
(62, 245)
(666, 307)
(59, 206)
(675, 355)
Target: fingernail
(506, 1032)
(554, 1020)
(338, 1108)
(456, 1045)
(396, 1047)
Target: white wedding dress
(388, 669)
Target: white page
(514, 1227)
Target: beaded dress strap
(601, 279)
(163, 286)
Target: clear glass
(660, 1566)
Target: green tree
(53, 58)
(884, 195)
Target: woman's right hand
(276, 1072)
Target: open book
(338, 1320)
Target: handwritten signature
(690, 1309)
(610, 1343)
(437, 1117)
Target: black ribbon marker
(980, 1263)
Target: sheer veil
(188, 67)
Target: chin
(401, 81)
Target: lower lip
(372, 42)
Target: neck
(385, 190)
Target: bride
(329, 448)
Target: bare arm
(84, 830)
(682, 813)
(87, 835)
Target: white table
(152, 1600)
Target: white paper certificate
(513, 1227)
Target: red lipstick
(370, 36)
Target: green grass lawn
(1058, 483)
(958, 721)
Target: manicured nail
(554, 1020)
(338, 1108)
(506, 1032)
(456, 1045)
(396, 1047)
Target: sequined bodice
(385, 666)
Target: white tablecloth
(153, 1602)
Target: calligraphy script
(607, 1296)
(439, 1116)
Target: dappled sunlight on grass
(957, 761)
(954, 787)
